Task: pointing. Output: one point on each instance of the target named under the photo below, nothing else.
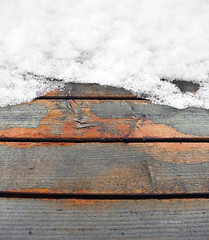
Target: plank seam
(108, 140)
(89, 98)
(104, 196)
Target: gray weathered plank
(97, 91)
(93, 219)
(79, 90)
(104, 168)
(106, 119)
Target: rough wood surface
(79, 90)
(101, 119)
(81, 219)
(103, 168)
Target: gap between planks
(104, 196)
(107, 140)
(92, 98)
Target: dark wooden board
(104, 168)
(82, 219)
(79, 90)
(101, 119)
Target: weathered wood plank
(97, 91)
(103, 168)
(83, 219)
(79, 90)
(101, 119)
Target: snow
(130, 44)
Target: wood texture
(102, 168)
(78, 90)
(101, 119)
(79, 219)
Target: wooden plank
(101, 119)
(78, 90)
(82, 219)
(102, 168)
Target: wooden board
(101, 168)
(38, 169)
(78, 90)
(81, 219)
(100, 120)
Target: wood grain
(101, 119)
(81, 219)
(102, 168)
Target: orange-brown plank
(93, 220)
(97, 120)
(104, 168)
(106, 119)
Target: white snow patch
(123, 43)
